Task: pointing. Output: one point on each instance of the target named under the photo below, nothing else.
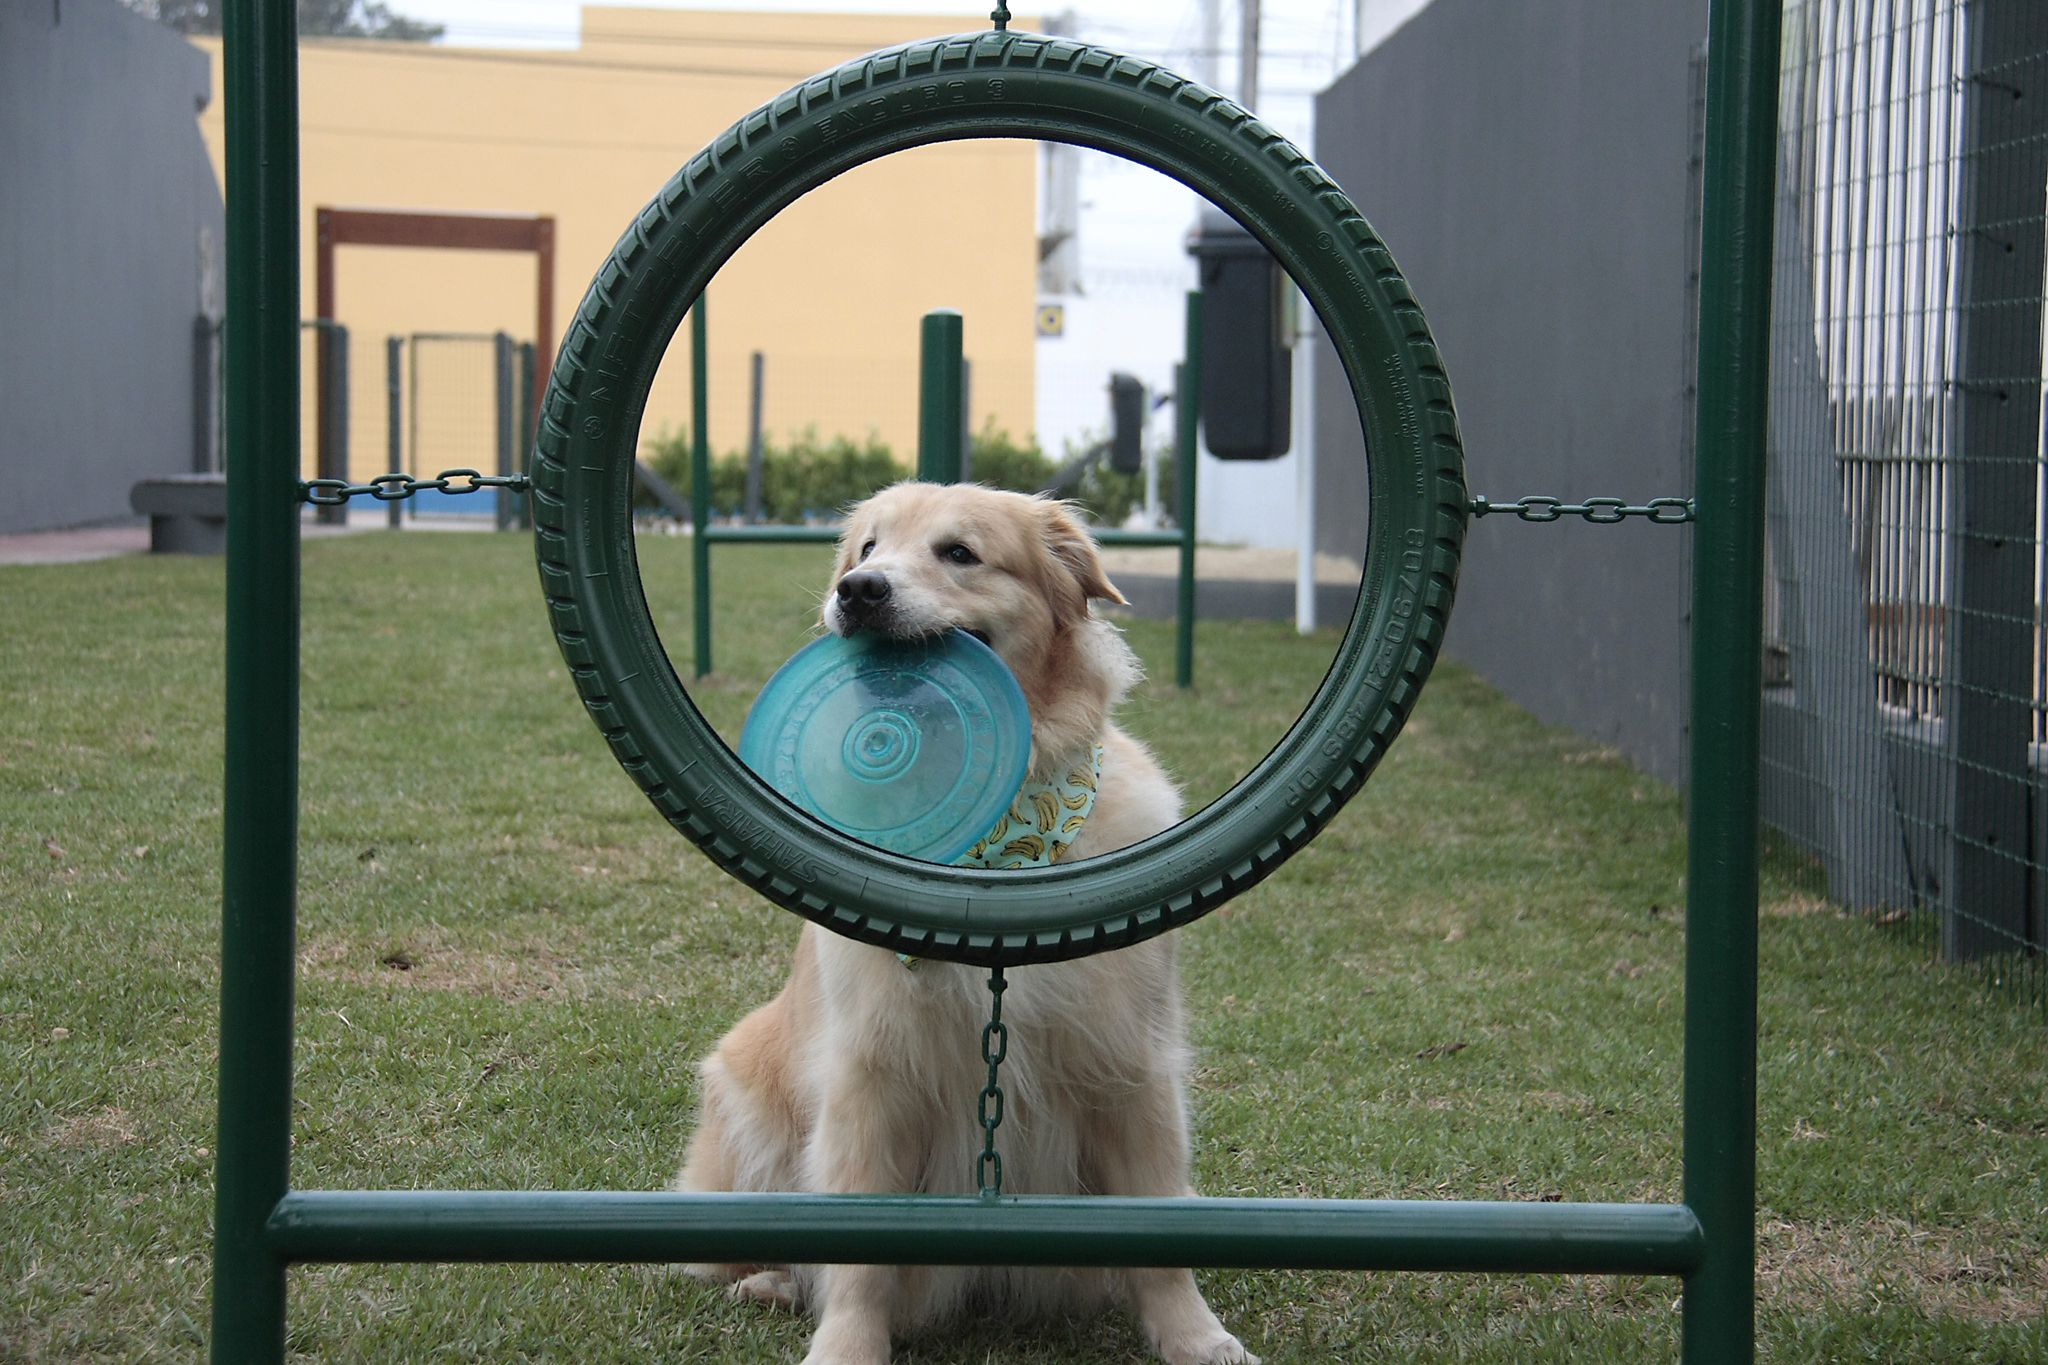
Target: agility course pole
(394, 424)
(504, 359)
(941, 396)
(1727, 650)
(1304, 1234)
(1187, 416)
(700, 490)
(260, 798)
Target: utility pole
(1059, 236)
(1248, 55)
(1209, 62)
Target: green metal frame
(940, 426)
(262, 1226)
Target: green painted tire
(995, 85)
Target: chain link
(1600, 511)
(395, 487)
(995, 1045)
(1000, 16)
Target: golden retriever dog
(862, 1075)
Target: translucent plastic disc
(915, 746)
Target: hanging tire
(995, 85)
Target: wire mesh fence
(1907, 687)
(452, 416)
(468, 406)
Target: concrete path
(82, 544)
(1226, 561)
(72, 547)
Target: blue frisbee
(915, 746)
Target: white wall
(1130, 316)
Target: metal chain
(395, 487)
(1602, 511)
(1000, 15)
(995, 1045)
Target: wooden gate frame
(333, 227)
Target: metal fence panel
(453, 414)
(1905, 709)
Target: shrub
(1002, 462)
(1107, 496)
(809, 480)
(806, 480)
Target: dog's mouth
(894, 632)
(940, 632)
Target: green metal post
(259, 801)
(700, 489)
(939, 397)
(527, 411)
(1188, 413)
(1727, 622)
(504, 361)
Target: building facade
(110, 254)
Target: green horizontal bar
(1300, 1234)
(1108, 537)
(765, 534)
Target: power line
(854, 45)
(561, 61)
(682, 150)
(851, 47)
(556, 61)
(486, 139)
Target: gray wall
(1528, 166)
(108, 207)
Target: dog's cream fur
(861, 1076)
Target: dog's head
(1016, 572)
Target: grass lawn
(1468, 988)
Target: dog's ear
(1073, 550)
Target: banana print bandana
(1039, 826)
(1041, 823)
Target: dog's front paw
(823, 1357)
(829, 1352)
(775, 1288)
(1216, 1347)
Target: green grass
(509, 963)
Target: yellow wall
(830, 291)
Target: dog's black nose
(863, 588)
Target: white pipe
(1152, 488)
(1305, 469)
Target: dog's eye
(959, 554)
(867, 550)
